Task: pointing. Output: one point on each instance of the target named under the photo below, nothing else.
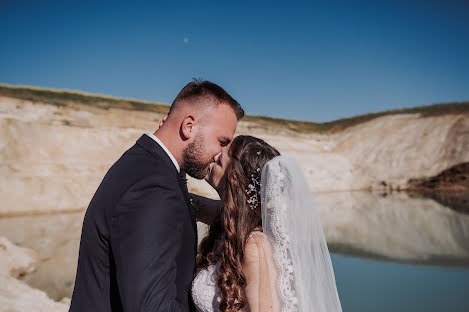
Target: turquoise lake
(390, 252)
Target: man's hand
(207, 209)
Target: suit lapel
(183, 186)
(156, 150)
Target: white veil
(304, 274)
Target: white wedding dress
(287, 266)
(205, 293)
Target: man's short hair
(198, 89)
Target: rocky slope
(15, 295)
(52, 157)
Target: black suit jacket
(139, 237)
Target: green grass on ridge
(65, 97)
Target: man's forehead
(226, 130)
(225, 118)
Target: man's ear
(187, 127)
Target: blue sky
(304, 60)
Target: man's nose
(215, 158)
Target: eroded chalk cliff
(52, 157)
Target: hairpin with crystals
(251, 191)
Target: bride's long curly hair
(228, 234)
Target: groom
(139, 237)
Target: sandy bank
(16, 262)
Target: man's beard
(192, 158)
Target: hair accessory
(258, 153)
(252, 190)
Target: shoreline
(16, 295)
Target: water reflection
(368, 285)
(397, 227)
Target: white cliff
(52, 157)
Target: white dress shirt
(151, 135)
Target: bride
(266, 251)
